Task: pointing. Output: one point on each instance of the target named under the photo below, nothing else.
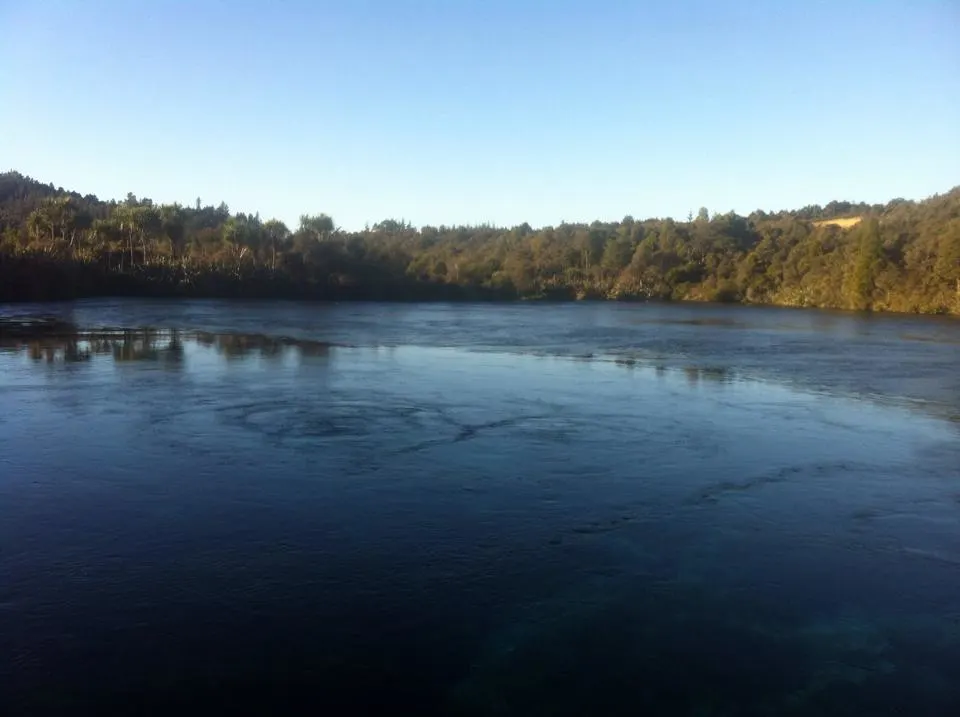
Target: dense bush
(902, 256)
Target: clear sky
(500, 111)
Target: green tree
(173, 226)
(277, 234)
(865, 266)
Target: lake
(505, 509)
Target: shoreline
(476, 299)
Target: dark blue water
(479, 510)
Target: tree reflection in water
(53, 342)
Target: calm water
(480, 510)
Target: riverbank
(38, 279)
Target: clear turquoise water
(480, 510)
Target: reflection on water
(166, 346)
(715, 374)
(163, 346)
(693, 374)
(245, 345)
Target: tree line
(900, 256)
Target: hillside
(901, 256)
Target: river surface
(579, 509)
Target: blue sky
(500, 111)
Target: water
(480, 510)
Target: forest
(900, 256)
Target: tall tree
(277, 235)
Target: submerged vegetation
(901, 256)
